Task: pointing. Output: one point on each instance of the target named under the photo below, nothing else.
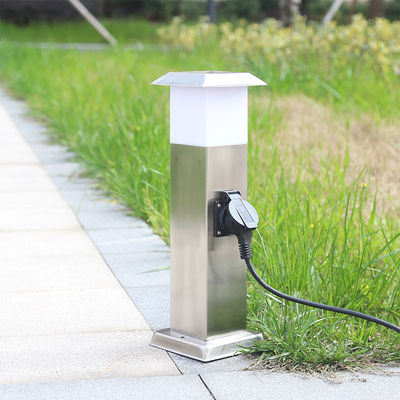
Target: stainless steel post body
(208, 154)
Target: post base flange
(204, 350)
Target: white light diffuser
(208, 108)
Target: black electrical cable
(233, 215)
(244, 255)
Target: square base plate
(204, 350)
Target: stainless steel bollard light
(208, 135)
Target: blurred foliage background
(25, 11)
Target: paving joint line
(205, 385)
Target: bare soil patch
(316, 133)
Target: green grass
(128, 30)
(353, 67)
(349, 85)
(319, 241)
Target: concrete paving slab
(142, 388)
(14, 145)
(20, 200)
(126, 241)
(41, 149)
(68, 169)
(8, 129)
(188, 366)
(52, 273)
(18, 111)
(72, 183)
(8, 133)
(109, 235)
(22, 170)
(45, 243)
(25, 183)
(31, 131)
(90, 201)
(53, 154)
(141, 269)
(18, 105)
(37, 219)
(286, 386)
(112, 219)
(63, 314)
(154, 304)
(7, 139)
(13, 150)
(80, 356)
(10, 155)
(69, 311)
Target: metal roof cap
(209, 79)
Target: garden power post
(208, 135)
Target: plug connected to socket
(235, 216)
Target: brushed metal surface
(208, 279)
(204, 350)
